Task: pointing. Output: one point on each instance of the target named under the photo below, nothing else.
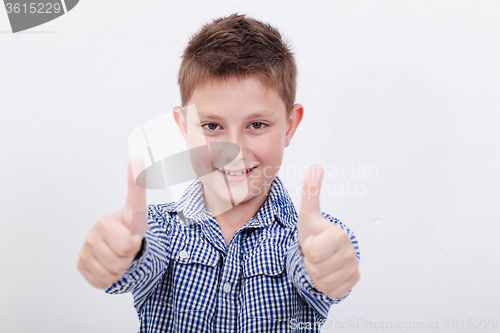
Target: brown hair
(238, 46)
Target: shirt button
(227, 287)
(183, 254)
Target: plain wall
(407, 91)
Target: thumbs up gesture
(329, 256)
(112, 244)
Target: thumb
(311, 189)
(135, 210)
(310, 216)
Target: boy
(246, 261)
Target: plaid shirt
(187, 280)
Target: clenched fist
(112, 244)
(329, 256)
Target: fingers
(324, 245)
(117, 236)
(94, 272)
(108, 258)
(337, 282)
(330, 260)
(336, 285)
(311, 189)
(336, 262)
(108, 251)
(90, 277)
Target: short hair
(238, 47)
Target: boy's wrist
(141, 250)
(300, 250)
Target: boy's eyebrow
(207, 115)
(257, 114)
(260, 114)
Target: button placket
(230, 273)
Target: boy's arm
(108, 258)
(323, 261)
(143, 274)
(302, 279)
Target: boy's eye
(258, 125)
(211, 126)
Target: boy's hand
(114, 241)
(329, 256)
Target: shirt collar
(278, 205)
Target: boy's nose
(238, 139)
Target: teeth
(235, 174)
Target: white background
(408, 88)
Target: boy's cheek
(195, 139)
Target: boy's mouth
(236, 173)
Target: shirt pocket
(192, 272)
(267, 291)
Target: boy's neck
(233, 219)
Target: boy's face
(245, 113)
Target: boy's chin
(227, 195)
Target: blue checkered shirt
(187, 280)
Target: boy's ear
(181, 122)
(293, 122)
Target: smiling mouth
(236, 173)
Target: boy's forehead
(234, 85)
(249, 94)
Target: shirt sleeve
(303, 281)
(143, 274)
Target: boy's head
(237, 82)
(238, 47)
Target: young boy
(246, 261)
